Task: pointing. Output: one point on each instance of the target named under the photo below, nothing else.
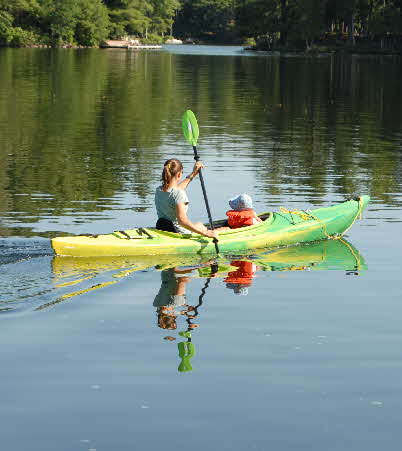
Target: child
(242, 213)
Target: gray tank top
(165, 203)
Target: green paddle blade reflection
(186, 352)
(190, 127)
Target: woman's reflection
(172, 294)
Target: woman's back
(166, 202)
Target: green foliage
(63, 20)
(83, 22)
(263, 14)
(24, 12)
(163, 13)
(24, 38)
(386, 18)
(249, 42)
(6, 27)
(153, 39)
(131, 15)
(93, 23)
(117, 31)
(206, 17)
(307, 21)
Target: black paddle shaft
(204, 192)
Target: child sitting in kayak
(241, 213)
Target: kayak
(282, 228)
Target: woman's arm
(196, 169)
(257, 218)
(183, 220)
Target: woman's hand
(211, 234)
(196, 169)
(197, 227)
(197, 166)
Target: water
(295, 348)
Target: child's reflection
(240, 280)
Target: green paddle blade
(190, 127)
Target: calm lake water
(296, 348)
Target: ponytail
(170, 169)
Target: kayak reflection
(238, 271)
(177, 312)
(322, 255)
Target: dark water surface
(295, 348)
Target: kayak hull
(278, 229)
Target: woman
(171, 201)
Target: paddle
(191, 133)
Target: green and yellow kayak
(281, 228)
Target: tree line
(83, 22)
(271, 23)
(306, 22)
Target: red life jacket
(238, 219)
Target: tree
(306, 21)
(24, 12)
(265, 17)
(93, 23)
(203, 17)
(386, 17)
(163, 13)
(6, 27)
(63, 17)
(132, 16)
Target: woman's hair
(171, 168)
(166, 321)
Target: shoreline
(326, 50)
(279, 51)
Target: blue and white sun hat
(241, 202)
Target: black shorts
(166, 225)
